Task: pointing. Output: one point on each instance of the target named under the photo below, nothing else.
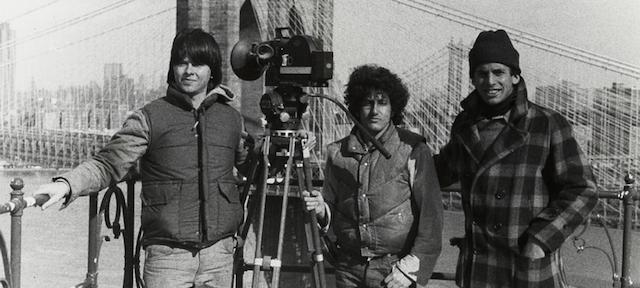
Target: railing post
(16, 232)
(129, 239)
(628, 199)
(91, 280)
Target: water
(54, 245)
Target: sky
(606, 27)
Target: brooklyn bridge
(67, 86)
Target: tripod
(288, 144)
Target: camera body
(299, 60)
(288, 63)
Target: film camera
(289, 63)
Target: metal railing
(17, 204)
(628, 196)
(125, 207)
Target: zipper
(198, 129)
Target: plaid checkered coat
(532, 184)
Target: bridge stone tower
(255, 21)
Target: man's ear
(515, 79)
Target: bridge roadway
(50, 148)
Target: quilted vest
(374, 208)
(189, 195)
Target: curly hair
(367, 78)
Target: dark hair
(201, 48)
(367, 78)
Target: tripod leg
(318, 258)
(311, 225)
(257, 261)
(283, 215)
(239, 264)
(307, 226)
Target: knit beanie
(493, 47)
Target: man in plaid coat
(525, 183)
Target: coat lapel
(470, 139)
(511, 138)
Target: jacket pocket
(160, 208)
(229, 191)
(230, 212)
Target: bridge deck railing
(628, 197)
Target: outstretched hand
(56, 191)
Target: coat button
(499, 195)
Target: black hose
(120, 205)
(114, 225)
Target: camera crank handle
(361, 128)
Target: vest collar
(355, 143)
(219, 94)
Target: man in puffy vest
(525, 183)
(188, 143)
(386, 213)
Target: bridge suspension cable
(66, 24)
(30, 11)
(93, 36)
(526, 38)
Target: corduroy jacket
(532, 184)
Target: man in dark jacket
(188, 143)
(386, 213)
(525, 183)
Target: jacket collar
(355, 143)
(513, 136)
(519, 109)
(219, 94)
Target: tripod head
(284, 107)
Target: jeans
(179, 268)
(361, 272)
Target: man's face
(191, 79)
(375, 111)
(494, 82)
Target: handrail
(127, 208)
(18, 203)
(15, 206)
